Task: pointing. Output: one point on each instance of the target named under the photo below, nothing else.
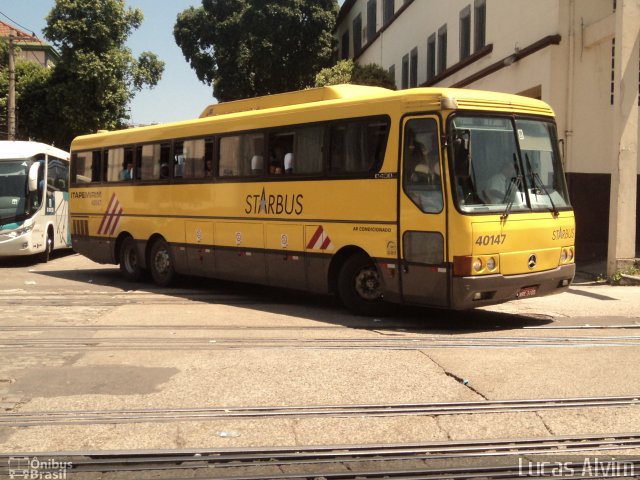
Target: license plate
(527, 292)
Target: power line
(19, 25)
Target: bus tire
(48, 248)
(130, 260)
(161, 263)
(359, 286)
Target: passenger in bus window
(288, 163)
(275, 168)
(208, 168)
(257, 164)
(164, 170)
(127, 172)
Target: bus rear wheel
(130, 261)
(359, 286)
(161, 263)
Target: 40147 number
(486, 240)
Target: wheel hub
(367, 284)
(162, 261)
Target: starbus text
(274, 204)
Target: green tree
(248, 48)
(346, 71)
(97, 76)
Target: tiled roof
(5, 29)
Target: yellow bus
(440, 197)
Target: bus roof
(410, 100)
(311, 95)
(22, 149)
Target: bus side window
(421, 175)
(58, 174)
(178, 160)
(154, 161)
(137, 167)
(165, 161)
(118, 164)
(95, 166)
(208, 158)
(239, 155)
(86, 167)
(280, 144)
(308, 148)
(358, 146)
(193, 158)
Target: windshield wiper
(535, 179)
(518, 182)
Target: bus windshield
(15, 201)
(502, 164)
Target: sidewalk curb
(629, 280)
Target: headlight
(491, 263)
(477, 264)
(20, 231)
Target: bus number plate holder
(527, 292)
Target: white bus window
(241, 155)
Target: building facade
(29, 47)
(580, 56)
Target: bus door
(422, 213)
(57, 199)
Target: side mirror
(33, 177)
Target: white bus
(34, 199)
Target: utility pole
(11, 104)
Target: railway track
(392, 326)
(91, 417)
(451, 459)
(24, 345)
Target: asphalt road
(91, 363)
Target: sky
(178, 96)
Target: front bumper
(19, 246)
(493, 289)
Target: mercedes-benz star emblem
(533, 260)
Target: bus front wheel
(130, 261)
(359, 286)
(48, 248)
(161, 263)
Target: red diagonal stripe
(117, 221)
(110, 216)
(315, 237)
(106, 214)
(325, 244)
